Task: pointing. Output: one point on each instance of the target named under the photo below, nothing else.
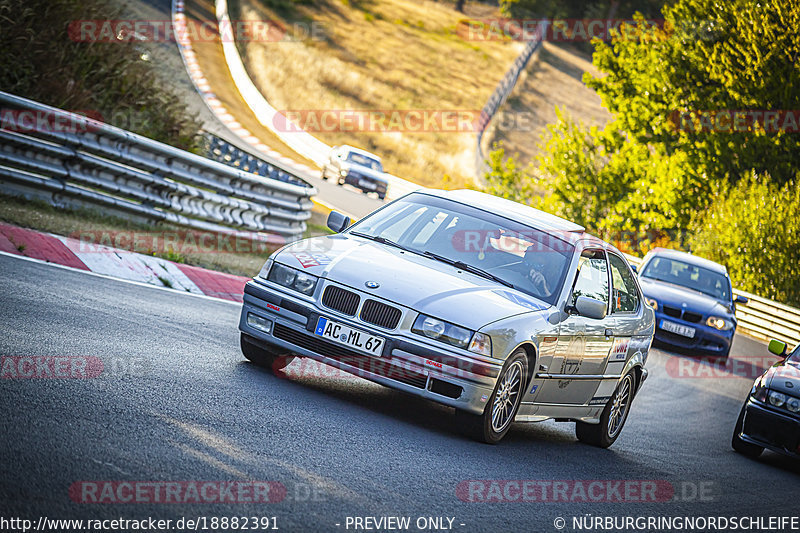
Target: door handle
(609, 332)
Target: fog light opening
(259, 323)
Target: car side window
(625, 297)
(592, 277)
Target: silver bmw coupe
(504, 312)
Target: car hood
(784, 377)
(365, 171)
(422, 284)
(675, 296)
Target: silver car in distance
(503, 312)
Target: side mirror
(338, 222)
(634, 268)
(777, 347)
(590, 307)
(739, 299)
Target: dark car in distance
(693, 299)
(770, 417)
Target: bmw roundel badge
(372, 284)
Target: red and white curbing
(120, 264)
(214, 104)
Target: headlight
(292, 278)
(719, 323)
(442, 331)
(759, 391)
(793, 405)
(343, 172)
(652, 303)
(777, 399)
(431, 327)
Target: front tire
(268, 359)
(612, 418)
(744, 448)
(493, 424)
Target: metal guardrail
(765, 319)
(761, 318)
(226, 153)
(90, 162)
(502, 92)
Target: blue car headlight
(291, 278)
(720, 323)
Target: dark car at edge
(770, 417)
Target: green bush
(42, 63)
(506, 180)
(753, 228)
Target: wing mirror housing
(777, 347)
(338, 222)
(590, 307)
(739, 299)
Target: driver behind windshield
(537, 271)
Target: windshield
(689, 276)
(365, 161)
(483, 243)
(794, 357)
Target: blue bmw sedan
(693, 300)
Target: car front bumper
(366, 184)
(406, 363)
(770, 429)
(706, 339)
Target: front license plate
(365, 184)
(678, 329)
(352, 338)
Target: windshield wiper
(469, 268)
(382, 240)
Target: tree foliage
(666, 164)
(40, 61)
(506, 180)
(753, 228)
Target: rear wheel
(262, 357)
(493, 424)
(745, 448)
(612, 418)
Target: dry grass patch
(383, 55)
(552, 80)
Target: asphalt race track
(176, 401)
